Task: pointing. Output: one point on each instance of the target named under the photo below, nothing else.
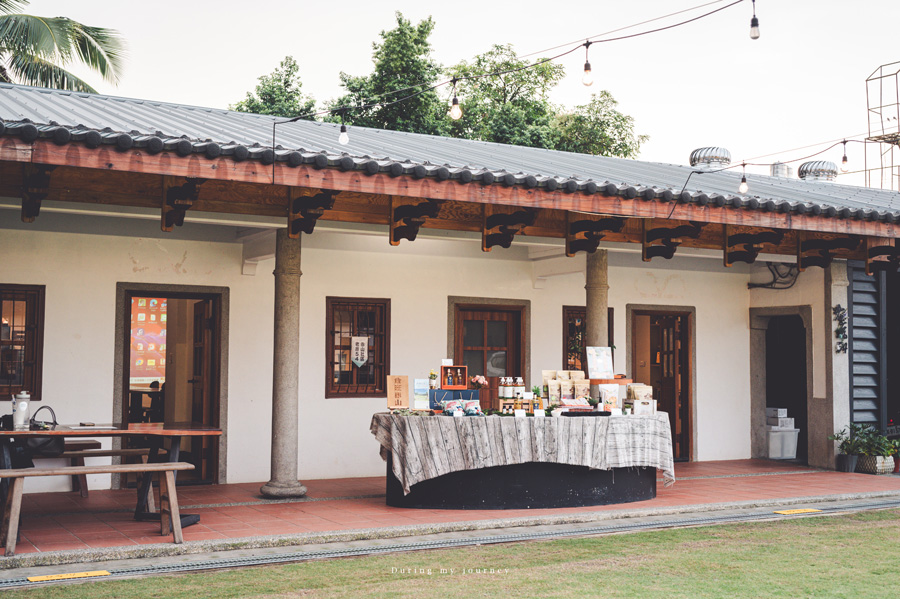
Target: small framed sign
(398, 392)
(600, 365)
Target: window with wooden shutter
(357, 317)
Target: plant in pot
(875, 452)
(895, 446)
(849, 443)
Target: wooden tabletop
(164, 429)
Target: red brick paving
(62, 521)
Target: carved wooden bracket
(177, 200)
(669, 238)
(304, 211)
(35, 187)
(584, 235)
(506, 226)
(406, 219)
(881, 254)
(820, 252)
(745, 247)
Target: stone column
(835, 414)
(596, 325)
(286, 367)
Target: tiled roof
(93, 120)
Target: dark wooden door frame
(456, 304)
(221, 302)
(690, 312)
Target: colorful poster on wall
(148, 341)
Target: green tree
(512, 107)
(36, 50)
(598, 128)
(278, 93)
(402, 60)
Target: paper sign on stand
(600, 365)
(398, 391)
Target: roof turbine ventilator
(818, 170)
(710, 158)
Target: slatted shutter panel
(867, 351)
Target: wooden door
(202, 381)
(666, 353)
(489, 343)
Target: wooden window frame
(34, 296)
(582, 310)
(379, 388)
(519, 333)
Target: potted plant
(875, 452)
(848, 440)
(895, 446)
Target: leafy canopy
(512, 107)
(279, 94)
(402, 59)
(37, 50)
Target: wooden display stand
(457, 371)
(611, 381)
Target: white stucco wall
(80, 272)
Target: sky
(803, 82)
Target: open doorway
(786, 374)
(661, 358)
(171, 367)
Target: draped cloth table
(596, 450)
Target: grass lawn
(845, 556)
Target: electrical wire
(507, 71)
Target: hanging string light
(754, 24)
(743, 187)
(455, 111)
(587, 78)
(343, 138)
(844, 160)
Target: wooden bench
(170, 515)
(76, 450)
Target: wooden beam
(408, 215)
(224, 169)
(35, 187)
(177, 198)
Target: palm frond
(103, 50)
(35, 70)
(35, 36)
(8, 6)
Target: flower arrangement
(432, 375)
(478, 381)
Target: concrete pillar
(596, 325)
(286, 367)
(835, 414)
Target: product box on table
(436, 396)
(466, 394)
(776, 412)
(781, 422)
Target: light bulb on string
(455, 111)
(343, 138)
(754, 24)
(743, 187)
(588, 78)
(844, 161)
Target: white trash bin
(783, 443)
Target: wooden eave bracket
(669, 239)
(504, 225)
(881, 254)
(820, 252)
(35, 187)
(305, 211)
(407, 218)
(177, 199)
(584, 234)
(745, 247)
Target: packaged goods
(582, 388)
(553, 391)
(576, 375)
(566, 389)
